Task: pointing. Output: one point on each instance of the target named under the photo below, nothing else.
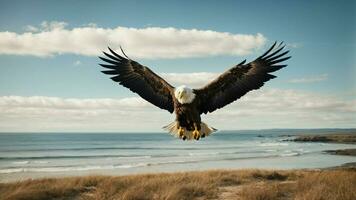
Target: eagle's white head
(184, 94)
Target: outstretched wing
(241, 79)
(139, 79)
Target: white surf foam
(290, 154)
(21, 162)
(272, 144)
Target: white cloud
(41, 113)
(310, 79)
(266, 108)
(48, 26)
(77, 63)
(53, 25)
(90, 25)
(71, 103)
(31, 28)
(53, 38)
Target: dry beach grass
(215, 184)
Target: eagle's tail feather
(172, 128)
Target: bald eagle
(188, 104)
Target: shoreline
(208, 184)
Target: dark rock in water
(288, 135)
(260, 136)
(345, 152)
(312, 139)
(332, 138)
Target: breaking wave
(272, 144)
(74, 157)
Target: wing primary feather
(116, 78)
(108, 60)
(112, 57)
(279, 60)
(108, 66)
(280, 44)
(281, 66)
(117, 55)
(274, 53)
(270, 76)
(275, 68)
(124, 53)
(277, 56)
(274, 44)
(110, 72)
(241, 63)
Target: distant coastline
(296, 131)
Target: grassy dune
(217, 184)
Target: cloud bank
(52, 38)
(310, 79)
(266, 108)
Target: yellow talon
(181, 132)
(196, 134)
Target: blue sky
(319, 34)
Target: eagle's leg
(181, 133)
(196, 133)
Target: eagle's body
(188, 104)
(187, 113)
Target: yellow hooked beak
(181, 95)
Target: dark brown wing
(241, 79)
(139, 79)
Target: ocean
(34, 155)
